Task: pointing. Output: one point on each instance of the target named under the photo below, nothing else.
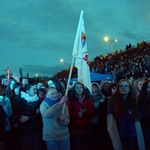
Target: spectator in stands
(55, 124)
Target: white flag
(81, 54)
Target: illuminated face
(11, 85)
(32, 91)
(78, 89)
(40, 94)
(24, 81)
(51, 84)
(113, 89)
(124, 88)
(131, 80)
(39, 85)
(17, 90)
(52, 94)
(95, 90)
(140, 84)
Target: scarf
(96, 98)
(29, 98)
(80, 99)
(50, 101)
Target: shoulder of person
(6, 99)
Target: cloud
(35, 34)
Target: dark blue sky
(36, 34)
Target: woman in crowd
(144, 111)
(55, 124)
(81, 110)
(10, 87)
(112, 89)
(99, 135)
(122, 119)
(53, 82)
(137, 86)
(105, 88)
(41, 93)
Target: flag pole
(73, 53)
(69, 76)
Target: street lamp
(110, 41)
(63, 61)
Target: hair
(8, 86)
(57, 85)
(73, 92)
(42, 90)
(18, 84)
(99, 89)
(28, 86)
(9, 92)
(112, 85)
(116, 103)
(104, 91)
(144, 98)
(135, 87)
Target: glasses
(124, 86)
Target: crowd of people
(131, 62)
(43, 117)
(114, 115)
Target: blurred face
(51, 84)
(12, 83)
(124, 88)
(78, 89)
(148, 88)
(113, 90)
(105, 86)
(32, 91)
(24, 81)
(95, 90)
(140, 84)
(39, 85)
(52, 94)
(17, 90)
(131, 80)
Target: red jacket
(74, 108)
